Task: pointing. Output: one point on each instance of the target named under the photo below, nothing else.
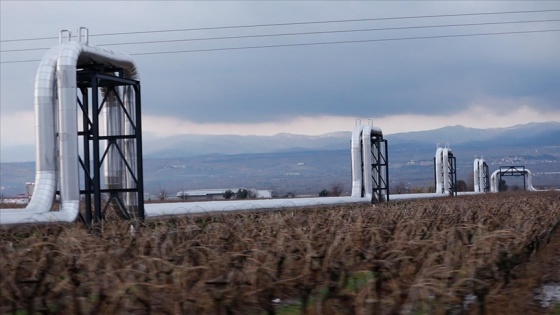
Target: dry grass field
(485, 254)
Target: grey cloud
(365, 79)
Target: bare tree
(228, 194)
(336, 190)
(462, 185)
(400, 188)
(470, 181)
(162, 195)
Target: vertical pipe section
(476, 175)
(64, 68)
(45, 134)
(68, 131)
(113, 165)
(367, 162)
(356, 155)
(529, 181)
(363, 171)
(45, 139)
(439, 170)
(130, 150)
(494, 181)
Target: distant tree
(252, 193)
(289, 194)
(242, 193)
(399, 188)
(228, 194)
(276, 193)
(336, 190)
(470, 182)
(324, 193)
(418, 190)
(502, 186)
(183, 194)
(462, 185)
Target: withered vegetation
(433, 256)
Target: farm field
(485, 254)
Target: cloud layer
(416, 83)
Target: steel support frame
(379, 169)
(485, 178)
(90, 80)
(516, 170)
(452, 171)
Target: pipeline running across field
(56, 130)
(58, 154)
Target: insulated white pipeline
(442, 166)
(481, 178)
(362, 159)
(367, 161)
(357, 165)
(57, 142)
(113, 167)
(495, 181)
(529, 180)
(45, 126)
(154, 210)
(361, 187)
(130, 148)
(45, 135)
(69, 55)
(476, 176)
(439, 170)
(112, 115)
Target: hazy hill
(192, 145)
(459, 134)
(300, 163)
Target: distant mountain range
(543, 134)
(298, 162)
(191, 145)
(460, 135)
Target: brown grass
(424, 257)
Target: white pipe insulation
(482, 175)
(478, 175)
(495, 181)
(57, 150)
(356, 156)
(362, 160)
(367, 162)
(439, 170)
(362, 187)
(57, 73)
(443, 184)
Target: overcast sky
(403, 85)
